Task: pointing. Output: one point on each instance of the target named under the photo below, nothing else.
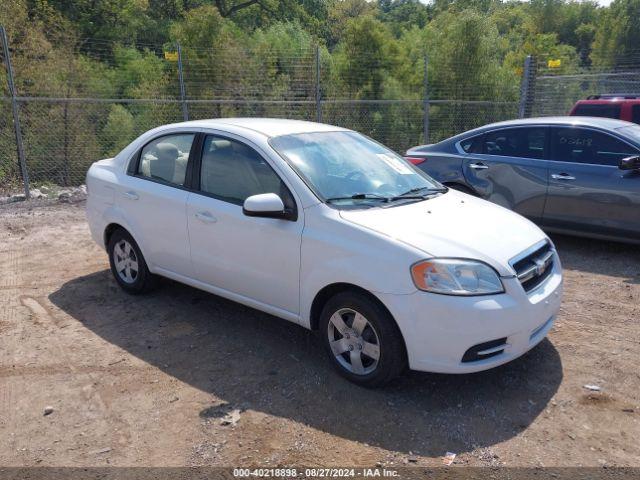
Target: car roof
(602, 122)
(269, 127)
(598, 122)
(607, 101)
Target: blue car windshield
(346, 169)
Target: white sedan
(329, 229)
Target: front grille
(534, 267)
(485, 350)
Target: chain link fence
(556, 88)
(91, 98)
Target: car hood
(454, 225)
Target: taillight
(415, 160)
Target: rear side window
(472, 145)
(582, 145)
(635, 114)
(597, 110)
(166, 158)
(232, 171)
(516, 142)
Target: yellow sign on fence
(171, 56)
(554, 63)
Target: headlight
(456, 277)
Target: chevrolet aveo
(329, 229)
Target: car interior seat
(226, 172)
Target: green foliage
(367, 55)
(261, 51)
(618, 34)
(118, 130)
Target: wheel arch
(108, 231)
(461, 187)
(333, 289)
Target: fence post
(318, 91)
(425, 119)
(526, 88)
(183, 95)
(16, 115)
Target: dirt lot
(158, 380)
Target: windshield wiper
(361, 196)
(428, 190)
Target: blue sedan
(575, 175)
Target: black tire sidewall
(392, 359)
(142, 282)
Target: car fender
(103, 207)
(337, 251)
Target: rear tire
(362, 340)
(128, 265)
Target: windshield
(632, 131)
(349, 169)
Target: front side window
(349, 169)
(165, 158)
(232, 171)
(516, 142)
(582, 145)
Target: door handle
(206, 217)
(131, 195)
(478, 166)
(562, 176)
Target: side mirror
(268, 205)
(630, 163)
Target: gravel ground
(184, 378)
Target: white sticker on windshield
(398, 165)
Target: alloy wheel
(354, 342)
(125, 261)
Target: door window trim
(546, 152)
(197, 168)
(586, 127)
(134, 161)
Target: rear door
(510, 169)
(587, 190)
(153, 196)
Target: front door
(587, 190)
(256, 258)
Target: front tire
(128, 265)
(362, 339)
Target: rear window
(597, 110)
(472, 145)
(523, 142)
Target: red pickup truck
(623, 106)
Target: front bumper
(439, 329)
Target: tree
(366, 56)
(617, 37)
